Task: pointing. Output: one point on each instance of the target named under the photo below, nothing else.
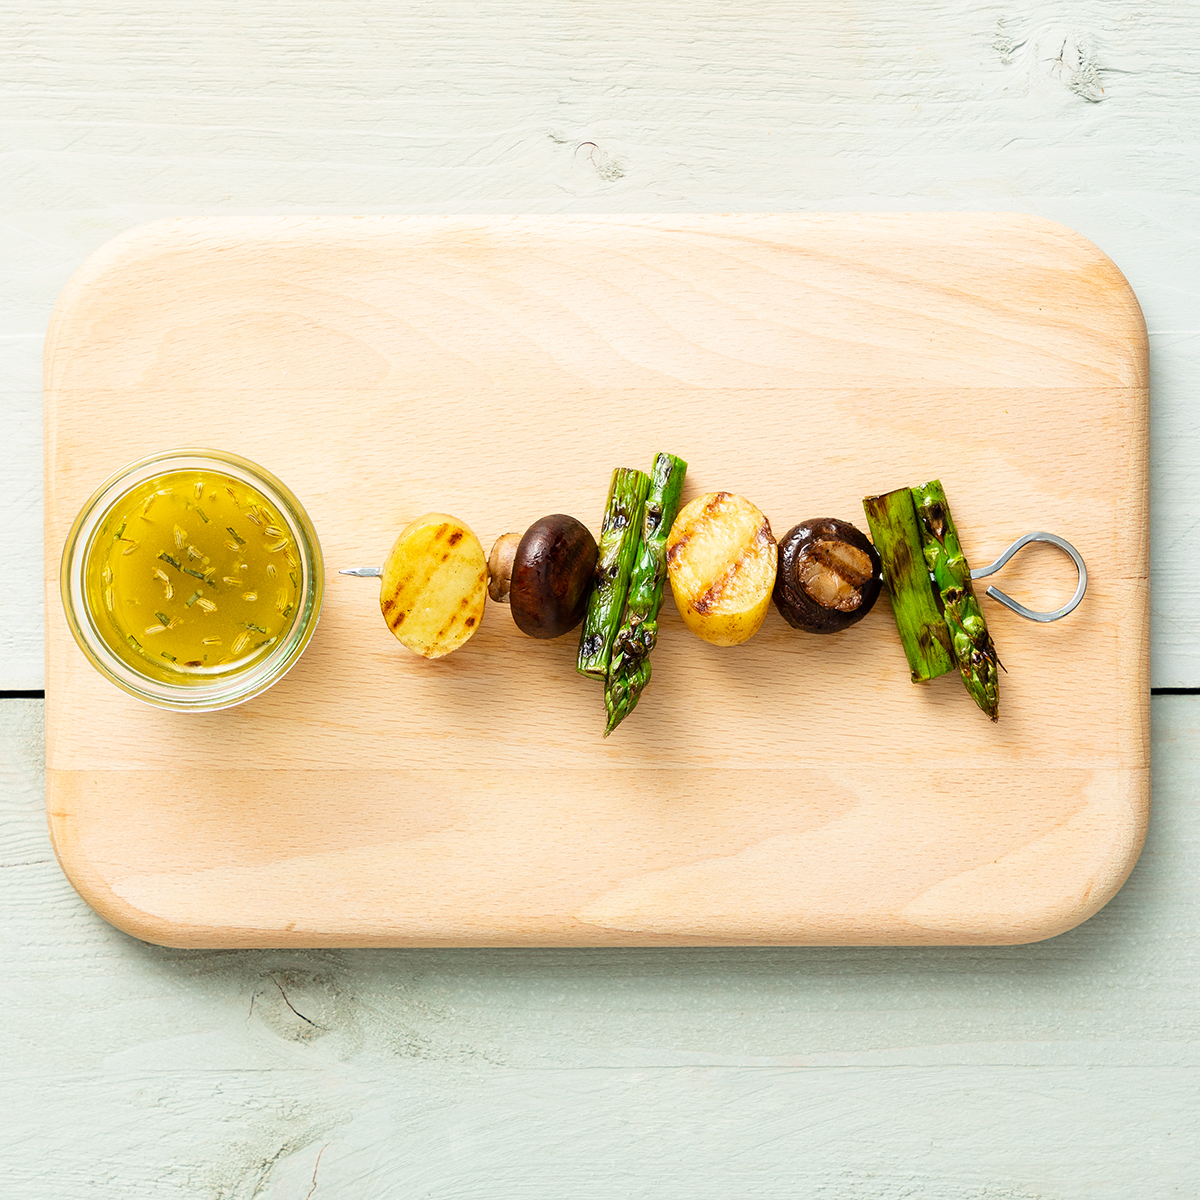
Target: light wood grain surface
(1060, 1070)
(791, 790)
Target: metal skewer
(979, 573)
(1053, 540)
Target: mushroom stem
(500, 566)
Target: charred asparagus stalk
(619, 537)
(969, 637)
(895, 530)
(629, 668)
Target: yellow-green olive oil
(192, 574)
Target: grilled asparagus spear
(969, 637)
(629, 668)
(895, 530)
(619, 537)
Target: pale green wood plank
(21, 591)
(1174, 510)
(690, 1134)
(1065, 1069)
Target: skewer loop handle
(1054, 540)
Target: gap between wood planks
(1158, 691)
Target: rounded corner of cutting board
(1047, 893)
(100, 898)
(120, 249)
(86, 876)
(1108, 275)
(113, 257)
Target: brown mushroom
(552, 576)
(829, 576)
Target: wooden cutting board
(793, 790)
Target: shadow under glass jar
(192, 579)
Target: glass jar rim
(221, 691)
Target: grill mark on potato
(708, 517)
(455, 537)
(699, 523)
(711, 598)
(675, 549)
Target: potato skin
(552, 576)
(434, 585)
(795, 605)
(721, 560)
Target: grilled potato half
(434, 585)
(721, 559)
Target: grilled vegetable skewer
(629, 668)
(720, 557)
(895, 530)
(619, 537)
(969, 637)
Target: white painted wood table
(1059, 1070)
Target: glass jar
(192, 579)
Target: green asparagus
(892, 519)
(969, 637)
(629, 668)
(619, 537)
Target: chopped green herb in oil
(126, 578)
